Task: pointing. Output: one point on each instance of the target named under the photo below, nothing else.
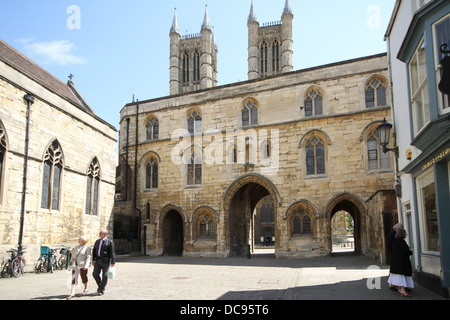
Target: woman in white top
(79, 263)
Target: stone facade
(195, 165)
(67, 144)
(228, 189)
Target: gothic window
(264, 58)
(315, 156)
(266, 150)
(51, 183)
(375, 94)
(207, 226)
(267, 210)
(313, 104)
(376, 157)
(196, 67)
(276, 56)
(195, 123)
(185, 68)
(234, 154)
(151, 174)
(93, 182)
(3, 148)
(249, 114)
(194, 170)
(302, 223)
(153, 129)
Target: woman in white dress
(79, 263)
(401, 269)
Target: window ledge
(433, 131)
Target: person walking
(79, 264)
(401, 269)
(103, 257)
(390, 240)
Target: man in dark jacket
(103, 256)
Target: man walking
(103, 257)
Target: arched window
(276, 56)
(196, 67)
(185, 69)
(51, 182)
(264, 57)
(250, 114)
(376, 157)
(92, 187)
(151, 174)
(301, 222)
(313, 104)
(207, 226)
(195, 123)
(375, 94)
(147, 210)
(194, 170)
(3, 148)
(315, 156)
(153, 129)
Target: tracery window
(276, 56)
(376, 157)
(185, 69)
(196, 67)
(195, 123)
(153, 129)
(151, 174)
(194, 170)
(302, 223)
(249, 114)
(375, 94)
(51, 183)
(207, 226)
(313, 104)
(3, 148)
(315, 156)
(92, 188)
(264, 58)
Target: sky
(116, 49)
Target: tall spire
(206, 24)
(287, 8)
(251, 16)
(174, 28)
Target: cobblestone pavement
(260, 278)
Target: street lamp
(384, 133)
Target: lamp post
(384, 133)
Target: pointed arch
(92, 187)
(53, 165)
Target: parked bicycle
(46, 261)
(15, 265)
(63, 258)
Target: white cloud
(57, 51)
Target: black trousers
(101, 267)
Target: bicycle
(46, 261)
(62, 261)
(19, 263)
(14, 266)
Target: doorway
(240, 201)
(173, 235)
(342, 232)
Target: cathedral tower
(193, 58)
(270, 47)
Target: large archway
(240, 200)
(172, 233)
(354, 206)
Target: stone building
(195, 165)
(57, 160)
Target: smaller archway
(342, 232)
(173, 234)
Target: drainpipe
(126, 161)
(30, 101)
(135, 177)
